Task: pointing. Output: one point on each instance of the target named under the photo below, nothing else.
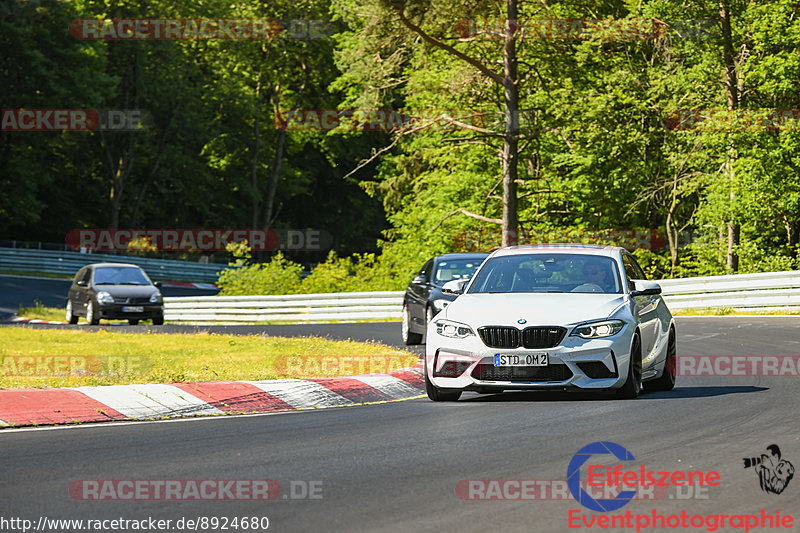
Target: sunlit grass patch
(31, 357)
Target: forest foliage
(626, 131)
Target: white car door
(647, 309)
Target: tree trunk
(510, 155)
(280, 144)
(511, 139)
(254, 159)
(732, 87)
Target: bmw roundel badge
(522, 321)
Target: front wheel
(133, 321)
(633, 384)
(71, 318)
(158, 321)
(409, 337)
(667, 380)
(91, 315)
(440, 395)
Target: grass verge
(33, 357)
(40, 312)
(723, 311)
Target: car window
(638, 272)
(548, 273)
(632, 270)
(449, 270)
(427, 269)
(119, 276)
(86, 275)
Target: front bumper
(116, 311)
(576, 363)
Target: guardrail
(740, 292)
(305, 308)
(63, 262)
(771, 290)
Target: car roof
(463, 255)
(585, 249)
(103, 265)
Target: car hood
(127, 291)
(535, 309)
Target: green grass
(31, 357)
(40, 312)
(723, 311)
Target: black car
(114, 290)
(424, 297)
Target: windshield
(456, 269)
(119, 276)
(579, 273)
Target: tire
(71, 318)
(158, 321)
(667, 380)
(91, 312)
(633, 384)
(133, 321)
(409, 337)
(439, 395)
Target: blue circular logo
(574, 476)
(522, 321)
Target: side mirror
(418, 280)
(82, 283)
(645, 288)
(455, 286)
(157, 284)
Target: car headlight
(155, 298)
(456, 330)
(598, 330)
(440, 304)
(104, 297)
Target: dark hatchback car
(115, 291)
(424, 297)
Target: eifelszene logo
(574, 476)
(617, 478)
(774, 473)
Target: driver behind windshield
(595, 279)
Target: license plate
(132, 309)
(520, 359)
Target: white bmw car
(552, 317)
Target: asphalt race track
(396, 466)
